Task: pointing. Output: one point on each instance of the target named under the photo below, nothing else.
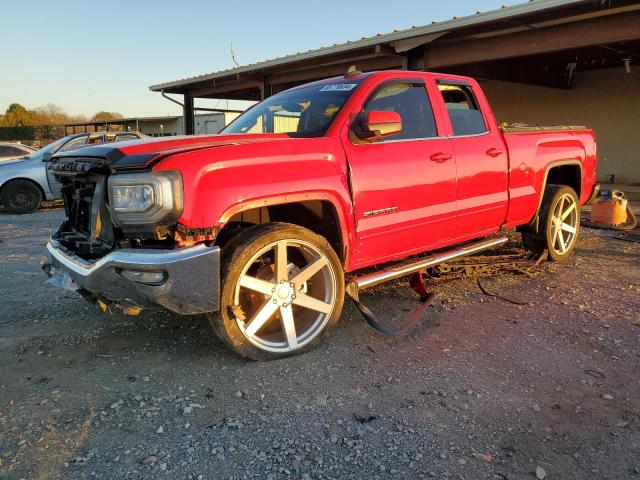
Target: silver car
(25, 182)
(11, 151)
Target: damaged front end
(118, 245)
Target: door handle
(494, 152)
(440, 157)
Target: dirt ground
(481, 389)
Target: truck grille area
(88, 230)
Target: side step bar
(396, 271)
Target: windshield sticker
(339, 87)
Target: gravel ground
(481, 389)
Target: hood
(14, 160)
(138, 154)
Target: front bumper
(191, 280)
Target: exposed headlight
(149, 198)
(132, 198)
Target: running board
(367, 281)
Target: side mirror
(380, 124)
(46, 156)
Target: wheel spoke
(311, 303)
(568, 228)
(281, 262)
(289, 326)
(556, 232)
(309, 271)
(257, 285)
(568, 211)
(562, 246)
(261, 317)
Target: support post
(188, 117)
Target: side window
(123, 137)
(411, 101)
(76, 142)
(94, 139)
(9, 151)
(464, 113)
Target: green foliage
(17, 133)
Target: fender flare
(334, 199)
(532, 226)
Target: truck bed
(525, 127)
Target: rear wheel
(283, 290)
(559, 223)
(21, 196)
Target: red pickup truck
(368, 177)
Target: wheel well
(319, 216)
(569, 175)
(36, 184)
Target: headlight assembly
(150, 198)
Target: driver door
(403, 186)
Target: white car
(11, 151)
(26, 181)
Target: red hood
(143, 153)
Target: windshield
(304, 112)
(52, 147)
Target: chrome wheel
(564, 224)
(285, 295)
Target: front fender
(222, 181)
(26, 170)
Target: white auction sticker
(339, 87)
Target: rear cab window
(462, 108)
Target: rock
(160, 429)
(238, 394)
(485, 457)
(606, 396)
(187, 411)
(462, 461)
(150, 460)
(536, 407)
(540, 473)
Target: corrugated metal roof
(533, 6)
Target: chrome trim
(372, 279)
(486, 132)
(192, 276)
(142, 258)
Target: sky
(91, 56)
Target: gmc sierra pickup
(364, 177)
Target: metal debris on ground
(629, 236)
(519, 261)
(489, 294)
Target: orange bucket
(609, 212)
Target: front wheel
(21, 196)
(282, 291)
(559, 223)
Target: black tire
(21, 196)
(237, 255)
(544, 239)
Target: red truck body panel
(393, 199)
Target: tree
(105, 116)
(50, 114)
(17, 116)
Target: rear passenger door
(481, 159)
(403, 186)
